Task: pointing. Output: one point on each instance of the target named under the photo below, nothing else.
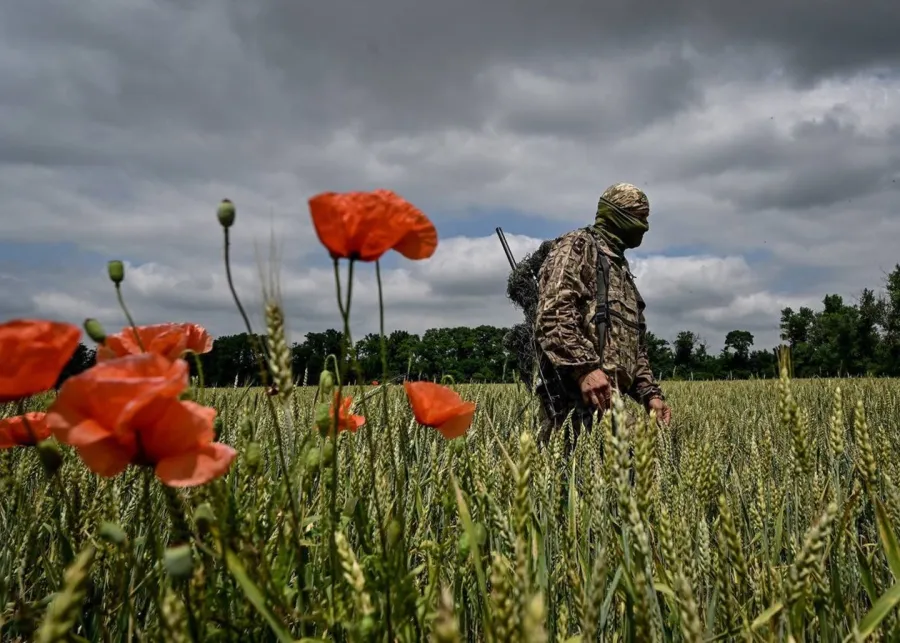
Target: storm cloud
(766, 135)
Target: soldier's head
(623, 212)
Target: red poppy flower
(34, 353)
(15, 433)
(365, 225)
(440, 408)
(168, 340)
(346, 421)
(127, 411)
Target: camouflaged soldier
(566, 327)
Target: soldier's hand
(663, 412)
(595, 389)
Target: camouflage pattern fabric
(628, 197)
(567, 334)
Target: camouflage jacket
(565, 329)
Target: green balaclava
(622, 214)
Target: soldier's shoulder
(580, 240)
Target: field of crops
(765, 511)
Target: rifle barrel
(509, 254)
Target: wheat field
(766, 511)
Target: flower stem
(342, 377)
(131, 323)
(257, 350)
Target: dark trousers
(555, 410)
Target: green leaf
(255, 596)
(664, 589)
(766, 616)
(474, 549)
(888, 538)
(879, 611)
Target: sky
(766, 136)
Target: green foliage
(767, 510)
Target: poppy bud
(204, 517)
(50, 456)
(218, 427)
(313, 458)
(94, 330)
(253, 456)
(324, 417)
(328, 452)
(113, 533)
(116, 270)
(179, 561)
(326, 383)
(226, 213)
(394, 532)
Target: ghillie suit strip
(522, 290)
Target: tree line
(841, 339)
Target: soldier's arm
(645, 387)
(562, 298)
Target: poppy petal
(181, 427)
(365, 225)
(198, 338)
(434, 404)
(14, 431)
(457, 426)
(113, 392)
(82, 434)
(35, 351)
(196, 467)
(326, 210)
(420, 239)
(108, 457)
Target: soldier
(569, 308)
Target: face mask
(621, 228)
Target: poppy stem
(257, 350)
(342, 377)
(131, 323)
(385, 417)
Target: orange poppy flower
(346, 421)
(33, 352)
(127, 411)
(365, 225)
(15, 433)
(168, 340)
(440, 408)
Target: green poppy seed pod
(253, 456)
(248, 425)
(94, 330)
(313, 458)
(50, 456)
(326, 384)
(328, 452)
(116, 270)
(113, 533)
(204, 517)
(179, 561)
(462, 545)
(226, 213)
(324, 420)
(394, 532)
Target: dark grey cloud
(751, 125)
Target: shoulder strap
(601, 317)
